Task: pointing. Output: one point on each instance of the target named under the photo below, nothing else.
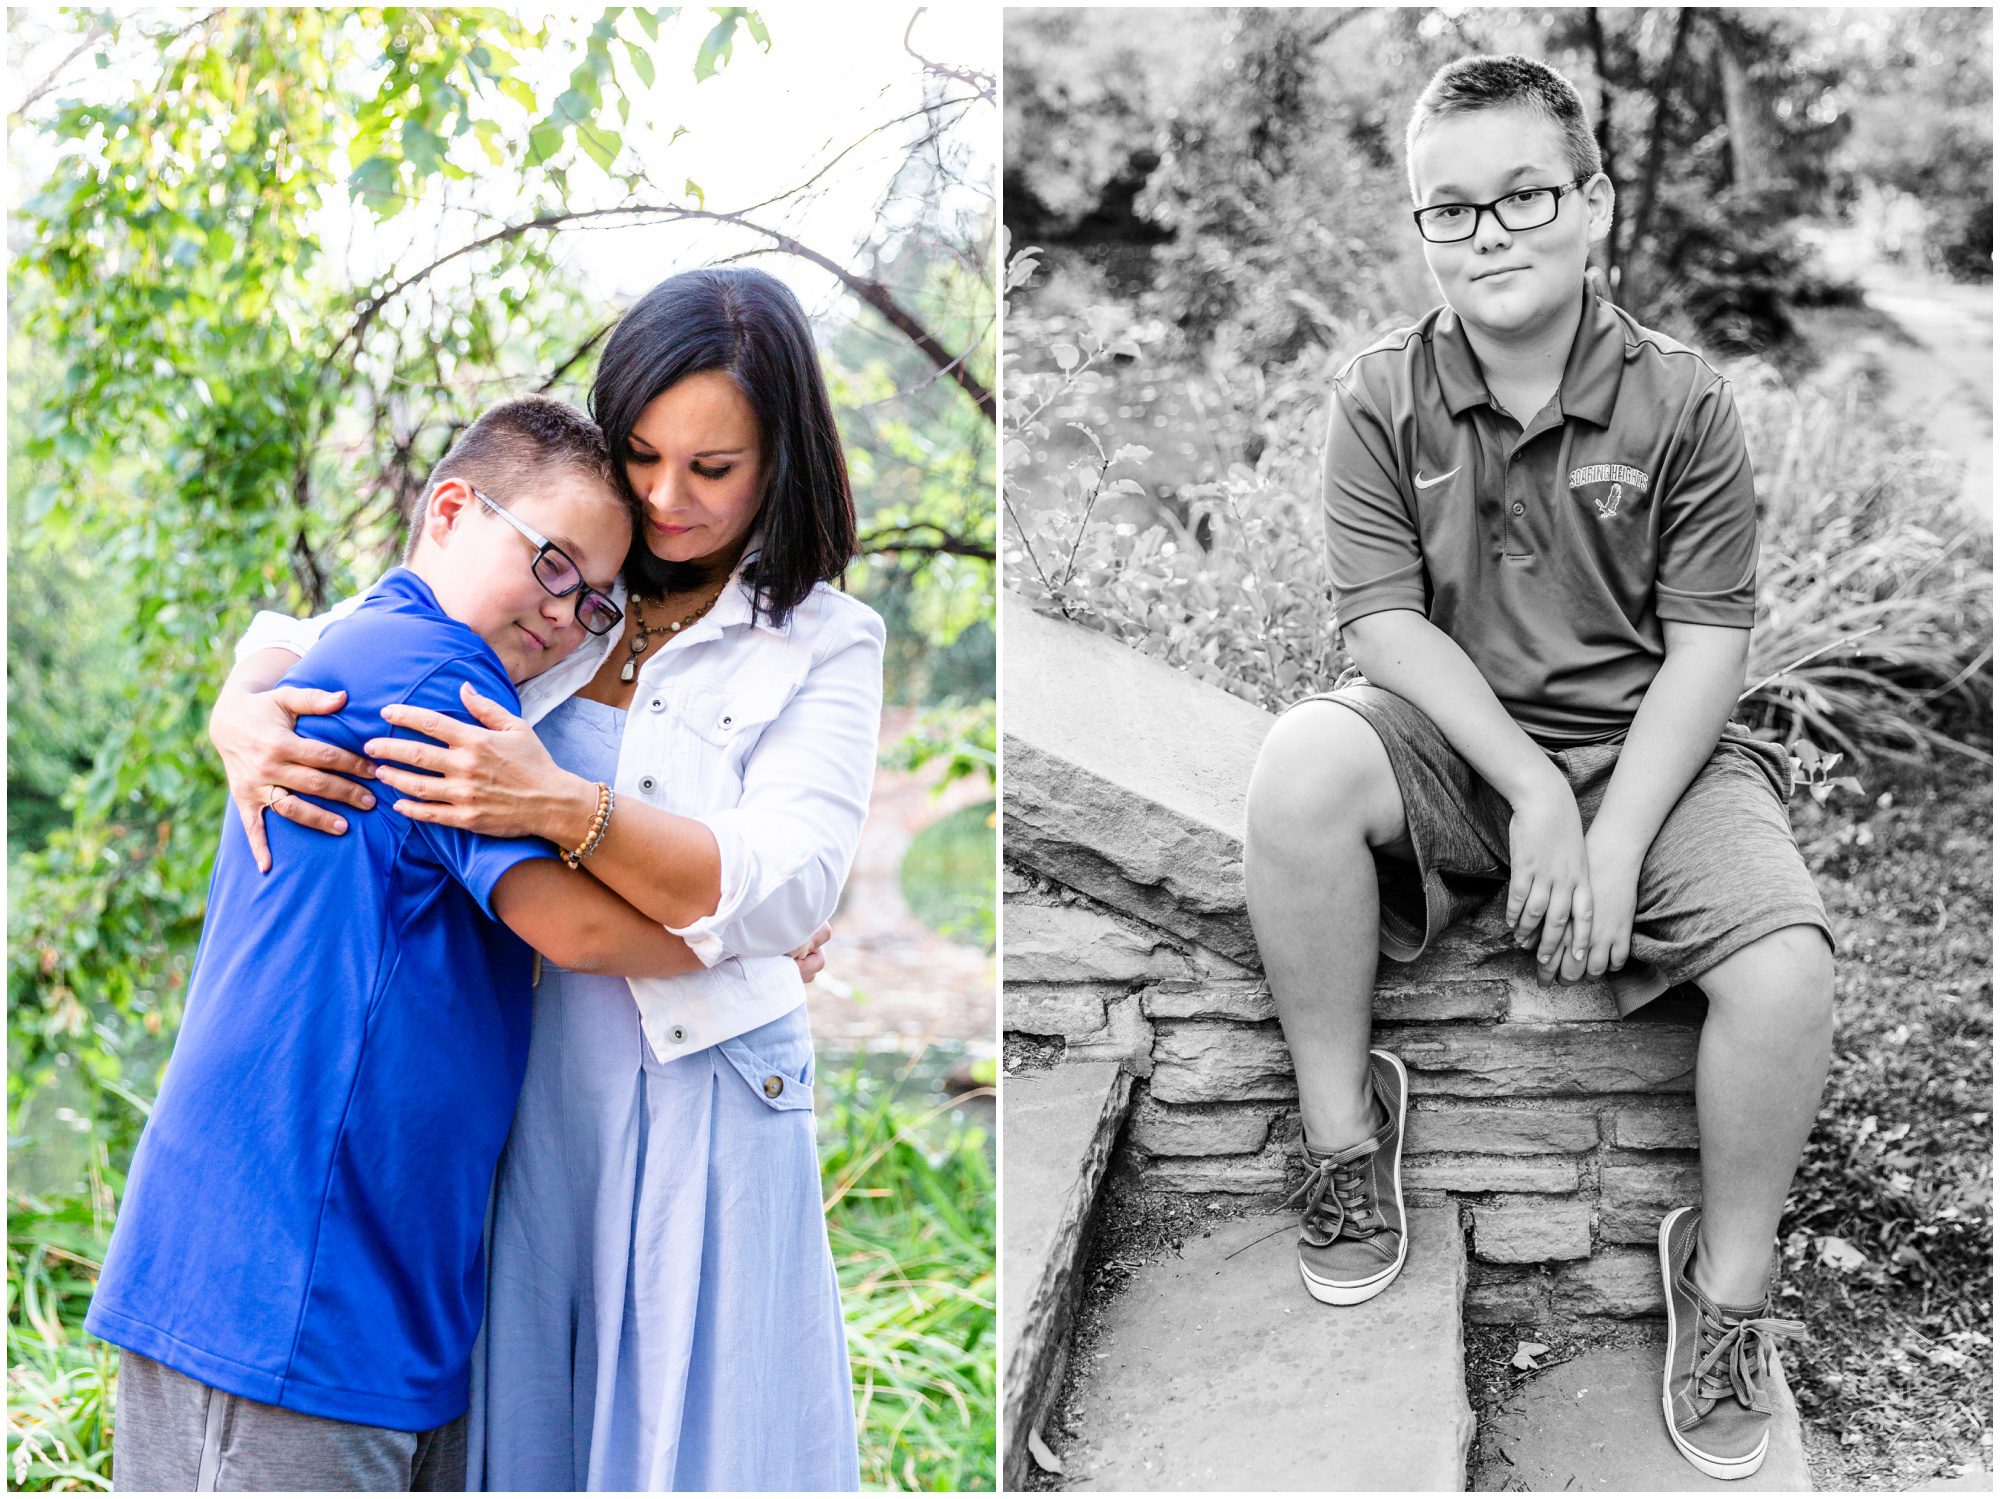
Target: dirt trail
(891, 980)
(1942, 375)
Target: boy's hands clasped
(1572, 900)
(1549, 890)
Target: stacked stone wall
(1563, 1131)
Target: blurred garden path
(889, 979)
(1942, 377)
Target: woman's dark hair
(748, 323)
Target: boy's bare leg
(1758, 1079)
(1322, 795)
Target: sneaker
(1721, 1377)
(1352, 1241)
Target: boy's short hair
(1498, 82)
(517, 442)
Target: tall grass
(910, 1203)
(1875, 600)
(59, 1381)
(910, 1213)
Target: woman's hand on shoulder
(493, 777)
(267, 761)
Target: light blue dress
(661, 1308)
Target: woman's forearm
(260, 671)
(668, 866)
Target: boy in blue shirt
(1542, 537)
(297, 1271)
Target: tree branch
(969, 76)
(582, 349)
(898, 539)
(97, 30)
(868, 290)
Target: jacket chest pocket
(724, 725)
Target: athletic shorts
(1723, 870)
(177, 1435)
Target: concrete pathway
(1217, 1371)
(1059, 1129)
(1594, 1425)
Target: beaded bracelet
(606, 800)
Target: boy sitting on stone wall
(1542, 537)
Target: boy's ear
(1600, 197)
(450, 503)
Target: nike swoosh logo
(1423, 483)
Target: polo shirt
(1551, 553)
(302, 1221)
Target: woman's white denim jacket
(765, 733)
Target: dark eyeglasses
(559, 575)
(1524, 208)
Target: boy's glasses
(559, 575)
(1524, 208)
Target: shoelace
(1335, 1198)
(1739, 1357)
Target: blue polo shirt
(1552, 553)
(302, 1223)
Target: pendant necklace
(644, 637)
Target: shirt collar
(1590, 376)
(1596, 363)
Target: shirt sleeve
(1708, 520)
(788, 843)
(1374, 553)
(475, 860)
(298, 636)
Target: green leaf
(422, 147)
(693, 190)
(649, 22)
(642, 62)
(602, 146)
(715, 49)
(543, 143)
(374, 179)
(758, 32)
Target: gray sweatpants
(176, 1434)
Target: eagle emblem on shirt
(1609, 484)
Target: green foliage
(911, 1217)
(947, 874)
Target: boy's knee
(1791, 968)
(1321, 769)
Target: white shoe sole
(1724, 1468)
(1354, 1292)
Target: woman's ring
(275, 794)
